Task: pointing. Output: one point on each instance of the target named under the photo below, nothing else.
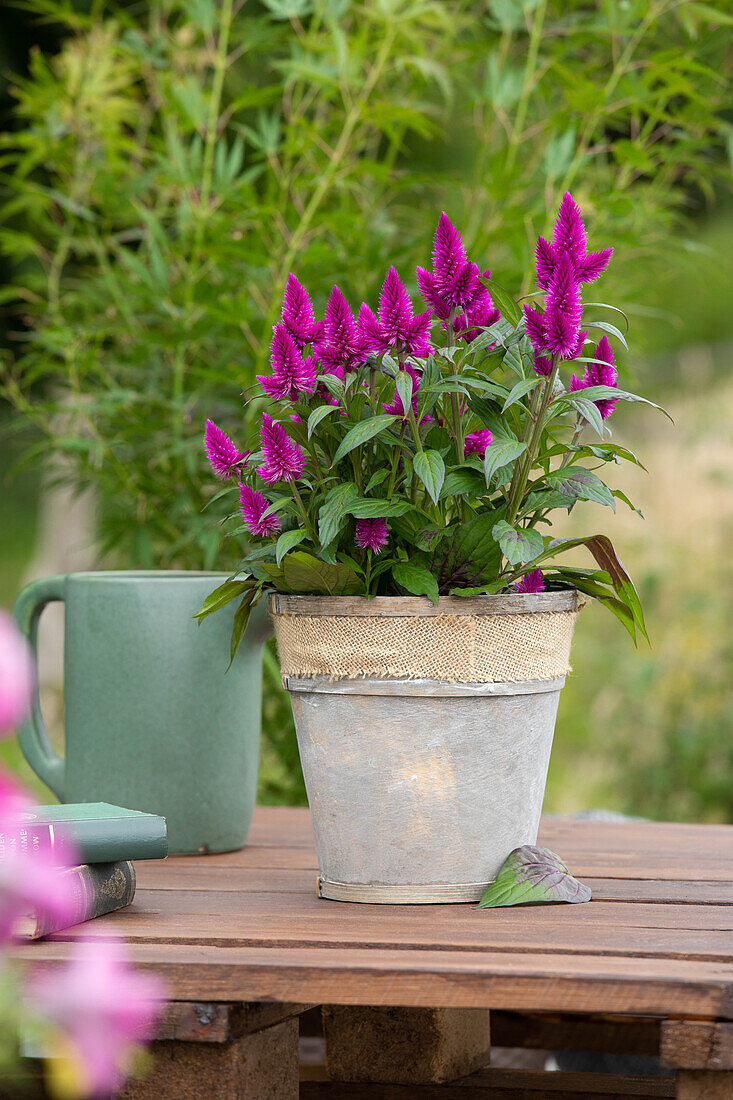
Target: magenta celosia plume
(599, 374)
(284, 460)
(252, 504)
(531, 582)
(342, 345)
(396, 326)
(371, 534)
(297, 314)
(569, 239)
(477, 442)
(563, 310)
(292, 375)
(481, 313)
(454, 281)
(224, 457)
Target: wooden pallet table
(246, 948)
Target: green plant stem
(524, 465)
(303, 514)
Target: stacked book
(106, 838)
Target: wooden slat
(294, 880)
(292, 920)
(282, 837)
(500, 1084)
(697, 1045)
(221, 1023)
(521, 981)
(564, 1031)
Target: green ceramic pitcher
(153, 720)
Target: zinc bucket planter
(424, 733)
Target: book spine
(94, 841)
(96, 890)
(39, 837)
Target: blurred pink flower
(103, 1007)
(16, 674)
(31, 880)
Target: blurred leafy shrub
(174, 161)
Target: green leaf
(241, 618)
(375, 480)
(429, 537)
(587, 410)
(220, 597)
(518, 544)
(287, 541)
(499, 454)
(611, 393)
(318, 415)
(520, 389)
(504, 300)
(430, 469)
(533, 876)
(376, 507)
(603, 551)
(606, 326)
(464, 481)
(277, 506)
(332, 514)
(473, 554)
(403, 386)
(304, 574)
(361, 433)
(580, 484)
(416, 578)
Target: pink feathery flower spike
(477, 442)
(297, 314)
(397, 323)
(224, 457)
(429, 290)
(16, 674)
(252, 504)
(284, 460)
(479, 316)
(542, 365)
(342, 344)
(449, 255)
(563, 310)
(534, 326)
(371, 534)
(569, 232)
(599, 374)
(569, 239)
(103, 1007)
(530, 582)
(454, 281)
(292, 375)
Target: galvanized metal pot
(419, 788)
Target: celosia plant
(424, 451)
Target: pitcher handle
(32, 735)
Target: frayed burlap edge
(494, 647)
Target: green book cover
(96, 831)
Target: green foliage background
(166, 169)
